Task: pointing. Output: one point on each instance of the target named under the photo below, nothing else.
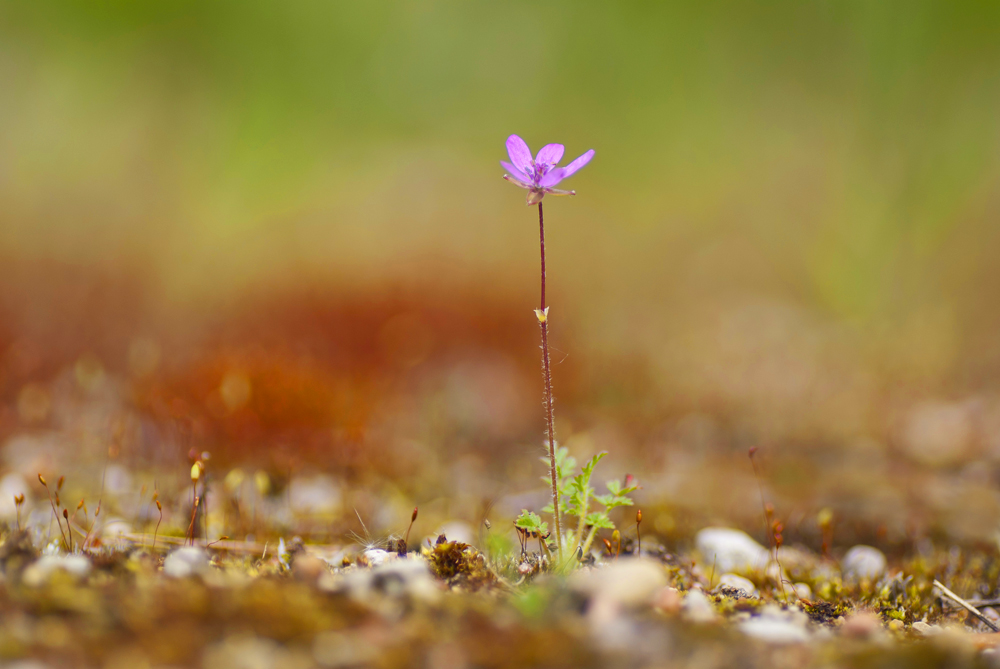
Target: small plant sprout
(72, 519)
(18, 503)
(521, 539)
(539, 176)
(413, 519)
(638, 538)
(69, 529)
(205, 457)
(52, 503)
(774, 527)
(401, 546)
(531, 525)
(194, 515)
(159, 508)
(575, 497)
(197, 469)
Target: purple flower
(540, 174)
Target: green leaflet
(531, 522)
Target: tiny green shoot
(576, 495)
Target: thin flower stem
(543, 321)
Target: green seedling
(530, 525)
(576, 496)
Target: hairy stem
(543, 321)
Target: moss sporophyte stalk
(571, 492)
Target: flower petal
(552, 177)
(550, 154)
(514, 172)
(577, 164)
(517, 182)
(519, 153)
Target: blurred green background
(843, 155)
(790, 225)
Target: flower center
(538, 170)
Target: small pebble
(861, 625)
(308, 568)
(775, 629)
(186, 561)
(697, 608)
(377, 556)
(625, 582)
(402, 577)
(926, 629)
(863, 563)
(667, 600)
(734, 582)
(42, 569)
(730, 550)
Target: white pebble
(774, 630)
(738, 583)
(729, 550)
(625, 582)
(863, 562)
(42, 569)
(697, 608)
(186, 561)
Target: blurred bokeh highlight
(278, 232)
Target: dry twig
(965, 605)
